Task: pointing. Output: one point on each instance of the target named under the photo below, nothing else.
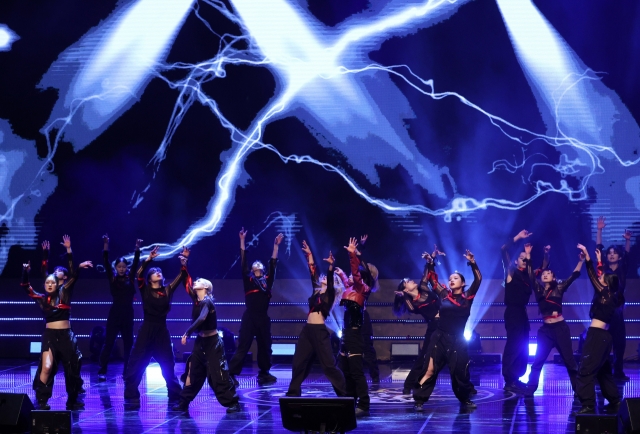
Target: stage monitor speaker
(15, 409)
(597, 424)
(48, 422)
(318, 414)
(630, 414)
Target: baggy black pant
(64, 347)
(558, 336)
(352, 367)
(370, 356)
(516, 348)
(120, 320)
(595, 364)
(418, 366)
(447, 349)
(252, 325)
(208, 361)
(315, 340)
(618, 332)
(153, 340)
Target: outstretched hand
(27, 266)
(547, 249)
(45, 245)
(601, 223)
(138, 243)
(581, 256)
(469, 256)
(86, 264)
(627, 235)
(66, 241)
(105, 239)
(183, 260)
(185, 251)
(598, 255)
(305, 248)
(363, 239)
(527, 249)
(583, 248)
(437, 252)
(330, 259)
(278, 239)
(427, 257)
(154, 253)
(242, 234)
(353, 244)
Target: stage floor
(549, 411)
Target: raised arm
(506, 258)
(44, 267)
(426, 272)
(136, 262)
(27, 286)
(436, 286)
(600, 225)
(182, 276)
(477, 276)
(273, 262)
(565, 284)
(538, 289)
(105, 259)
(591, 271)
(313, 267)
(358, 284)
(343, 276)
(140, 278)
(331, 290)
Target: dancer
(418, 299)
(207, 360)
(123, 289)
(448, 345)
(555, 330)
(617, 262)
(365, 277)
(255, 320)
(59, 343)
(517, 291)
(153, 339)
(314, 339)
(595, 363)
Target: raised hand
(278, 239)
(183, 341)
(527, 249)
(242, 234)
(138, 244)
(427, 257)
(363, 239)
(330, 259)
(547, 249)
(183, 260)
(105, 239)
(598, 255)
(583, 248)
(339, 270)
(154, 253)
(469, 256)
(581, 256)
(185, 251)
(305, 248)
(66, 241)
(437, 252)
(523, 234)
(45, 245)
(27, 266)
(627, 235)
(86, 264)
(601, 224)
(353, 244)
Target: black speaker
(47, 422)
(597, 424)
(15, 409)
(630, 414)
(318, 414)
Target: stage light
(467, 335)
(532, 349)
(339, 333)
(221, 333)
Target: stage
(549, 411)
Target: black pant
(153, 340)
(315, 340)
(120, 320)
(447, 349)
(352, 367)
(553, 335)
(207, 361)
(370, 356)
(618, 332)
(256, 325)
(64, 348)
(595, 364)
(419, 365)
(516, 349)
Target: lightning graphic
(325, 78)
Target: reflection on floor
(549, 411)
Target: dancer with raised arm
(595, 363)
(314, 339)
(122, 284)
(153, 339)
(370, 357)
(59, 343)
(352, 348)
(207, 360)
(255, 319)
(555, 330)
(418, 299)
(448, 345)
(617, 262)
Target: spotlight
(467, 334)
(339, 333)
(473, 339)
(532, 349)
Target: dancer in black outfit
(370, 357)
(59, 343)
(365, 277)
(153, 339)
(517, 291)
(255, 319)
(314, 338)
(122, 284)
(595, 363)
(554, 331)
(418, 299)
(448, 345)
(617, 262)
(207, 360)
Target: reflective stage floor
(549, 411)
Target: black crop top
(257, 290)
(321, 302)
(427, 303)
(604, 302)
(123, 288)
(156, 302)
(56, 306)
(517, 292)
(550, 299)
(204, 317)
(456, 308)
